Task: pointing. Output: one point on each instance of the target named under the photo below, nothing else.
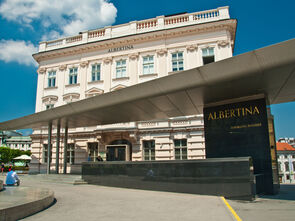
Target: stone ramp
(19, 202)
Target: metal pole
(65, 149)
(49, 147)
(57, 147)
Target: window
(286, 156)
(149, 149)
(45, 153)
(49, 106)
(51, 78)
(208, 55)
(280, 167)
(180, 150)
(293, 166)
(71, 153)
(148, 65)
(177, 61)
(95, 72)
(286, 166)
(121, 69)
(287, 177)
(73, 75)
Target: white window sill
(120, 79)
(72, 85)
(95, 82)
(49, 88)
(148, 75)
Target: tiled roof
(284, 147)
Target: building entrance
(116, 153)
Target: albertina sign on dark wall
(241, 129)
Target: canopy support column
(65, 149)
(57, 147)
(49, 147)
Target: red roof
(284, 147)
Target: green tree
(8, 154)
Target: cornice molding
(228, 25)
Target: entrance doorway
(117, 152)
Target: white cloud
(18, 51)
(66, 17)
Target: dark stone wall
(229, 177)
(240, 130)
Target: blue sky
(24, 23)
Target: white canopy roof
(269, 71)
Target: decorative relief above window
(71, 97)
(222, 43)
(62, 67)
(49, 101)
(161, 52)
(191, 48)
(93, 92)
(41, 70)
(118, 87)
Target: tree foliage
(7, 154)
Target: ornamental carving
(161, 52)
(62, 67)
(133, 56)
(107, 60)
(222, 43)
(191, 48)
(41, 70)
(83, 64)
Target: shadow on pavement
(287, 192)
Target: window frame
(181, 147)
(121, 68)
(150, 64)
(95, 73)
(71, 153)
(176, 61)
(208, 55)
(73, 75)
(49, 106)
(51, 79)
(150, 147)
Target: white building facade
(19, 142)
(100, 61)
(286, 161)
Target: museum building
(114, 57)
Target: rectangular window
(71, 153)
(177, 61)
(180, 146)
(121, 69)
(208, 55)
(51, 78)
(73, 75)
(45, 153)
(148, 65)
(286, 166)
(49, 106)
(95, 72)
(149, 149)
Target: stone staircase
(56, 178)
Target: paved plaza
(90, 202)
